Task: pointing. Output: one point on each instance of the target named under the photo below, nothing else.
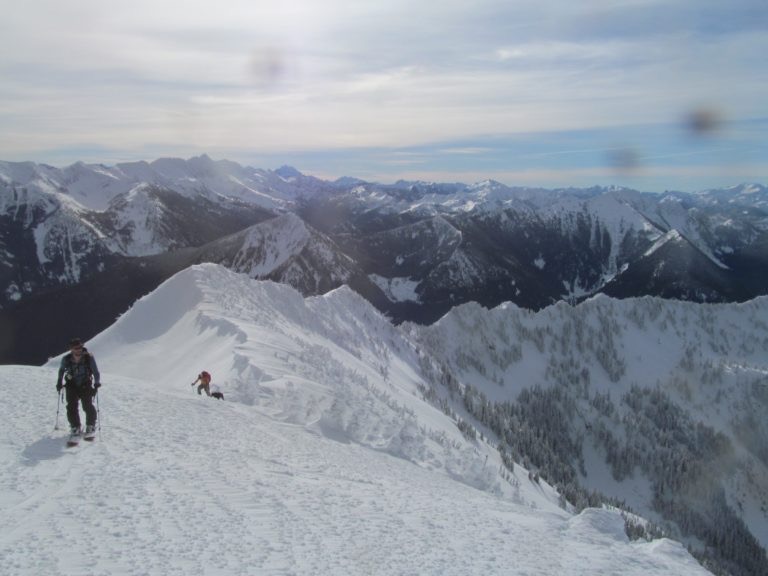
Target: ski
(73, 442)
(74, 439)
(90, 433)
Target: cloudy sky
(667, 94)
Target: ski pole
(98, 413)
(58, 405)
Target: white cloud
(299, 75)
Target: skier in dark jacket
(82, 380)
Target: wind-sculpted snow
(319, 362)
(322, 459)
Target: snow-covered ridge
(706, 364)
(336, 346)
(322, 459)
(649, 336)
(709, 358)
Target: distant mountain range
(78, 245)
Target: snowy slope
(322, 460)
(705, 365)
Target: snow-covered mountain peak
(487, 186)
(269, 245)
(139, 191)
(288, 173)
(171, 168)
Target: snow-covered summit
(323, 459)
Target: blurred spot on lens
(704, 121)
(624, 159)
(267, 65)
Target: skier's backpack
(205, 376)
(85, 362)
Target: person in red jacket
(205, 383)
